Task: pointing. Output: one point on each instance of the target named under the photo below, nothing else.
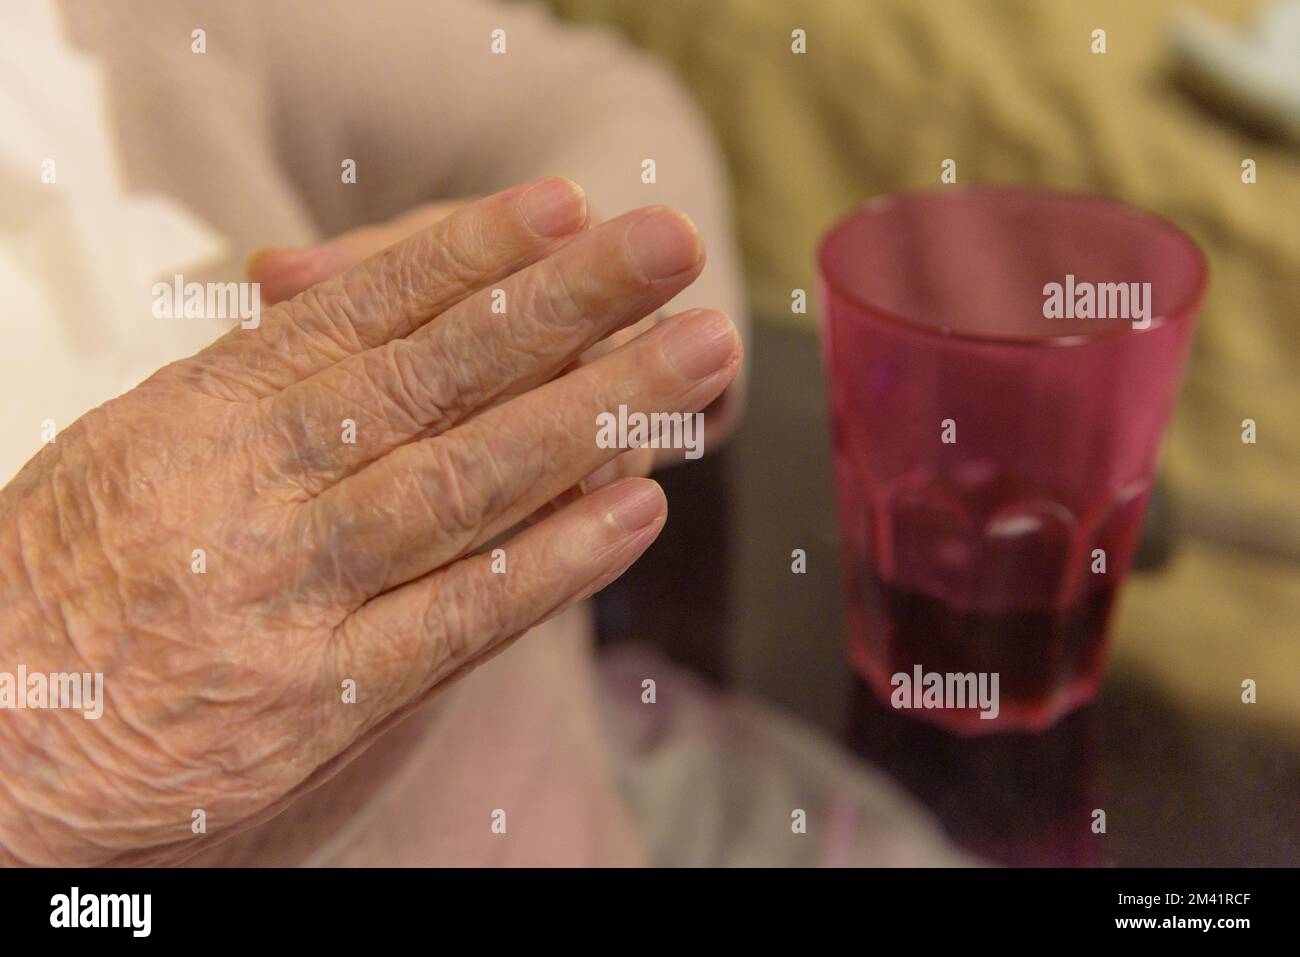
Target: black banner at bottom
(333, 907)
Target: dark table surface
(1180, 783)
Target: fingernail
(699, 344)
(284, 257)
(639, 507)
(663, 244)
(554, 207)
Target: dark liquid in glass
(988, 576)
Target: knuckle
(421, 390)
(459, 490)
(455, 620)
(556, 301)
(648, 374)
(451, 256)
(330, 311)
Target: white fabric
(714, 780)
(78, 256)
(1258, 67)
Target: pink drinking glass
(995, 443)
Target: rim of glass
(1183, 312)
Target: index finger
(286, 271)
(394, 292)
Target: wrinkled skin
(329, 562)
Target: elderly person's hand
(341, 468)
